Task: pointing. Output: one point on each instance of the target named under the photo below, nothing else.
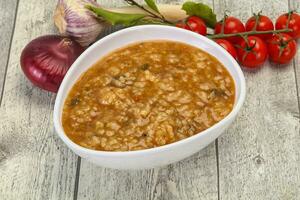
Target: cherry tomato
(197, 25)
(282, 48)
(264, 24)
(227, 46)
(252, 52)
(293, 24)
(183, 25)
(231, 25)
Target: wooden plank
(193, 178)
(295, 5)
(259, 157)
(34, 163)
(7, 18)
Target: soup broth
(145, 95)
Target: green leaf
(152, 5)
(201, 10)
(116, 18)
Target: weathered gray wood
(295, 5)
(259, 157)
(7, 16)
(193, 178)
(34, 163)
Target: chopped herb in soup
(146, 95)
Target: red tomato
(264, 24)
(232, 25)
(197, 25)
(182, 25)
(252, 52)
(293, 24)
(227, 46)
(282, 48)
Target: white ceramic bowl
(158, 156)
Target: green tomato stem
(151, 14)
(222, 35)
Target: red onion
(46, 60)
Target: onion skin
(46, 60)
(74, 20)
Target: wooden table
(257, 158)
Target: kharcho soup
(145, 95)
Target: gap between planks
(297, 87)
(77, 178)
(216, 143)
(295, 72)
(9, 49)
(218, 171)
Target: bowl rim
(59, 100)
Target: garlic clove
(74, 20)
